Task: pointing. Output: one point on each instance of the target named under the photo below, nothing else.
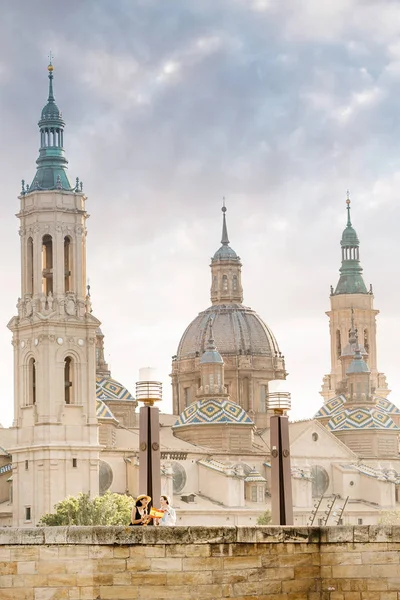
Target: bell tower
(352, 304)
(56, 452)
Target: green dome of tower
(51, 173)
(351, 280)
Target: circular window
(320, 481)
(179, 477)
(105, 477)
(314, 436)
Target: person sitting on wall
(140, 511)
(169, 516)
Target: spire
(348, 202)
(225, 239)
(350, 281)
(353, 334)
(51, 173)
(211, 354)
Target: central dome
(237, 330)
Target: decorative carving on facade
(70, 304)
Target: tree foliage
(110, 509)
(265, 518)
(389, 517)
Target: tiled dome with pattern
(237, 330)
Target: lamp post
(149, 391)
(281, 476)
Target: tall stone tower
(56, 450)
(352, 303)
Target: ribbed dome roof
(349, 237)
(237, 330)
(225, 253)
(51, 111)
(210, 411)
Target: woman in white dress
(169, 516)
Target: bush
(265, 518)
(110, 509)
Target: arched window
(234, 283)
(32, 381)
(225, 283)
(47, 264)
(320, 481)
(366, 340)
(67, 264)
(338, 344)
(68, 375)
(29, 266)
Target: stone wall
(261, 563)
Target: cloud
(278, 106)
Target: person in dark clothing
(140, 512)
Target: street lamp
(149, 391)
(281, 476)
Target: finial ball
(348, 201)
(50, 68)
(223, 209)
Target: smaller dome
(213, 412)
(348, 350)
(51, 111)
(109, 389)
(349, 237)
(255, 476)
(211, 356)
(361, 418)
(225, 253)
(358, 364)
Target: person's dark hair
(165, 498)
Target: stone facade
(264, 563)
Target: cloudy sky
(278, 105)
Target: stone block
(339, 534)
(241, 562)
(377, 558)
(361, 533)
(102, 552)
(256, 588)
(129, 535)
(8, 568)
(48, 553)
(280, 573)
(24, 553)
(393, 583)
(29, 580)
(124, 578)
(379, 585)
(107, 565)
(50, 593)
(74, 552)
(121, 592)
(121, 552)
(299, 585)
(212, 535)
(246, 535)
(74, 593)
(55, 535)
(349, 571)
(80, 566)
(202, 564)
(192, 578)
(149, 578)
(163, 593)
(89, 593)
(62, 580)
(237, 576)
(17, 594)
(306, 571)
(138, 563)
(45, 567)
(267, 534)
(149, 551)
(380, 533)
(384, 571)
(5, 554)
(92, 579)
(26, 567)
(167, 564)
(341, 558)
(352, 596)
(79, 535)
(166, 535)
(189, 550)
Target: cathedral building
(75, 428)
